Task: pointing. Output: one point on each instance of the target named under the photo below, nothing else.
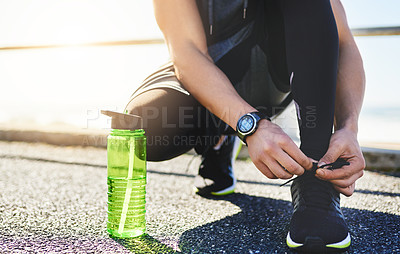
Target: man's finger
(265, 170)
(293, 151)
(344, 183)
(331, 155)
(289, 164)
(277, 169)
(340, 173)
(348, 191)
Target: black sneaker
(216, 176)
(317, 223)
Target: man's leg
(311, 38)
(312, 59)
(169, 119)
(175, 122)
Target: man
(244, 61)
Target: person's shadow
(262, 225)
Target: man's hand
(343, 144)
(275, 154)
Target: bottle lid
(124, 121)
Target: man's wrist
(350, 124)
(248, 124)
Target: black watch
(248, 123)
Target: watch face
(246, 124)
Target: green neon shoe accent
(223, 193)
(341, 245)
(229, 191)
(291, 243)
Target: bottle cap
(124, 121)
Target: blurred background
(63, 61)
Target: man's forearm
(184, 34)
(351, 77)
(210, 86)
(350, 87)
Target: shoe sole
(223, 192)
(226, 191)
(315, 244)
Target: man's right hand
(275, 154)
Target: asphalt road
(53, 200)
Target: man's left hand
(343, 144)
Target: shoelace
(331, 166)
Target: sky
(35, 79)
(371, 13)
(27, 22)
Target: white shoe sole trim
(340, 244)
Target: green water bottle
(126, 176)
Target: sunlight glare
(47, 22)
